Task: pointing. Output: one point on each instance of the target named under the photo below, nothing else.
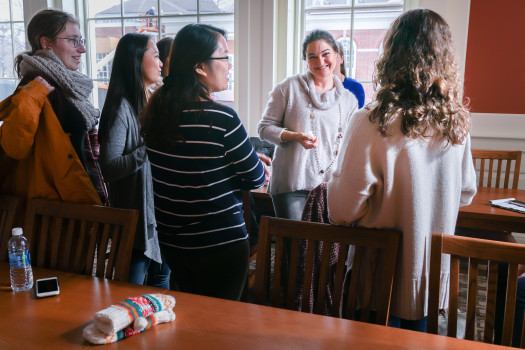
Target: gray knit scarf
(75, 85)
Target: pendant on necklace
(339, 136)
(312, 115)
(336, 152)
(321, 171)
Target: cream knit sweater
(289, 108)
(415, 186)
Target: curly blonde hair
(418, 80)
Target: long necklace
(321, 171)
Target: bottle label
(19, 260)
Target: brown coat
(45, 163)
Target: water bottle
(19, 261)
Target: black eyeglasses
(74, 41)
(228, 58)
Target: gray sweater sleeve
(271, 125)
(123, 153)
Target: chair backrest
(477, 251)
(375, 249)
(70, 236)
(262, 146)
(262, 204)
(8, 207)
(486, 160)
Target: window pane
(6, 51)
(143, 8)
(104, 8)
(144, 25)
(328, 20)
(370, 25)
(19, 37)
(104, 39)
(369, 30)
(171, 25)
(215, 6)
(327, 3)
(159, 19)
(99, 93)
(378, 2)
(4, 13)
(226, 23)
(18, 10)
(170, 7)
(7, 87)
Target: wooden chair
(369, 243)
(476, 250)
(486, 160)
(8, 208)
(262, 205)
(69, 237)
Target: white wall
(456, 13)
(254, 26)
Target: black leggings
(221, 274)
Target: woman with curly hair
(407, 163)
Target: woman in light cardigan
(123, 155)
(305, 118)
(406, 163)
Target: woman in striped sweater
(201, 160)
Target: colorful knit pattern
(119, 316)
(95, 336)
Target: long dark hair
(126, 80)
(193, 45)
(418, 80)
(45, 23)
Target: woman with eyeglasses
(305, 117)
(123, 158)
(202, 161)
(48, 118)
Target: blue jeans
(413, 325)
(158, 274)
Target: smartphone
(46, 287)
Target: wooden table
(481, 215)
(201, 323)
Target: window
(104, 66)
(12, 42)
(108, 20)
(348, 55)
(360, 25)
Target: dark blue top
(356, 88)
(198, 185)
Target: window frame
(353, 8)
(12, 23)
(157, 18)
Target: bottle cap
(17, 231)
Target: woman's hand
(305, 140)
(41, 80)
(267, 162)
